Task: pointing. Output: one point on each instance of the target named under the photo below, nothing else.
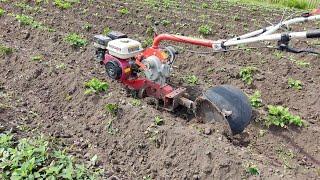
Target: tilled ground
(48, 96)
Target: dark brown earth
(38, 95)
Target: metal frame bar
(265, 34)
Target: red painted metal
(316, 11)
(181, 39)
(151, 89)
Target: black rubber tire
(230, 98)
(113, 69)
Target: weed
(136, 102)
(61, 66)
(299, 4)
(204, 5)
(147, 177)
(106, 31)
(210, 69)
(205, 30)
(236, 18)
(87, 26)
(165, 22)
(110, 128)
(24, 19)
(153, 136)
(147, 42)
(169, 3)
(256, 100)
(29, 21)
(280, 116)
(278, 54)
(246, 74)
(158, 121)
(64, 4)
(191, 80)
(112, 109)
(295, 84)
(2, 12)
(4, 50)
(36, 58)
(253, 170)
(302, 63)
(285, 155)
(75, 40)
(123, 11)
(150, 31)
(33, 158)
(95, 86)
(68, 97)
(23, 6)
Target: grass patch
(280, 116)
(123, 11)
(34, 158)
(36, 58)
(298, 4)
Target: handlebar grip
(313, 34)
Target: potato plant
(158, 121)
(256, 100)
(246, 74)
(64, 4)
(112, 109)
(191, 80)
(280, 116)
(35, 158)
(75, 40)
(295, 84)
(95, 86)
(205, 30)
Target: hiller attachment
(224, 104)
(125, 61)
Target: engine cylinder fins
(227, 105)
(113, 70)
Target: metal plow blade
(227, 105)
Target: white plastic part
(293, 35)
(124, 48)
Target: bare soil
(38, 94)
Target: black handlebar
(313, 34)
